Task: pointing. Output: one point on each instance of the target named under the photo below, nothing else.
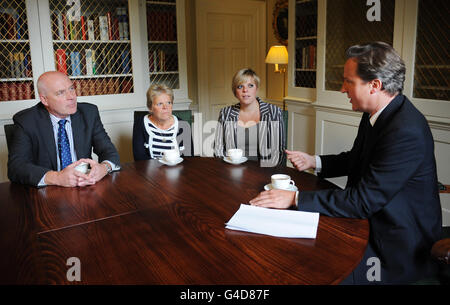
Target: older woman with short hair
(157, 131)
(252, 125)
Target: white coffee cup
(282, 182)
(171, 155)
(82, 167)
(235, 154)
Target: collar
(374, 117)
(263, 108)
(55, 119)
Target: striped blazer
(271, 133)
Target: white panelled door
(230, 36)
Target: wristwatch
(108, 167)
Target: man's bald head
(46, 78)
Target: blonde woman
(252, 125)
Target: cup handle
(292, 182)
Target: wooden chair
(184, 115)
(9, 133)
(441, 249)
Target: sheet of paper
(280, 223)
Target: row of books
(306, 59)
(18, 65)
(102, 86)
(92, 62)
(13, 91)
(161, 25)
(162, 61)
(104, 27)
(12, 26)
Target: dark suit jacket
(392, 182)
(33, 149)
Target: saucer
(291, 187)
(228, 160)
(177, 161)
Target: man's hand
(301, 161)
(68, 177)
(98, 171)
(279, 199)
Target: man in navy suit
(391, 171)
(35, 155)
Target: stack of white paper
(280, 223)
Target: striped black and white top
(270, 136)
(160, 139)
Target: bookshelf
(305, 43)
(91, 44)
(163, 59)
(16, 73)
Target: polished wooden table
(154, 224)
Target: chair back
(184, 115)
(9, 133)
(285, 121)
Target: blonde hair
(156, 90)
(242, 76)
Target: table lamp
(278, 55)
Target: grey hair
(158, 89)
(379, 60)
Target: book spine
(27, 90)
(75, 63)
(60, 26)
(22, 67)
(13, 92)
(125, 62)
(12, 70)
(61, 60)
(83, 28)
(120, 17)
(116, 34)
(4, 92)
(110, 23)
(17, 65)
(126, 33)
(66, 27)
(90, 26)
(19, 34)
(103, 25)
(89, 63)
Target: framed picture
(280, 21)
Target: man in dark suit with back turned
(57, 134)
(391, 171)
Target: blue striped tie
(63, 145)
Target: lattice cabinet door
(91, 44)
(350, 22)
(16, 73)
(162, 43)
(305, 43)
(432, 58)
